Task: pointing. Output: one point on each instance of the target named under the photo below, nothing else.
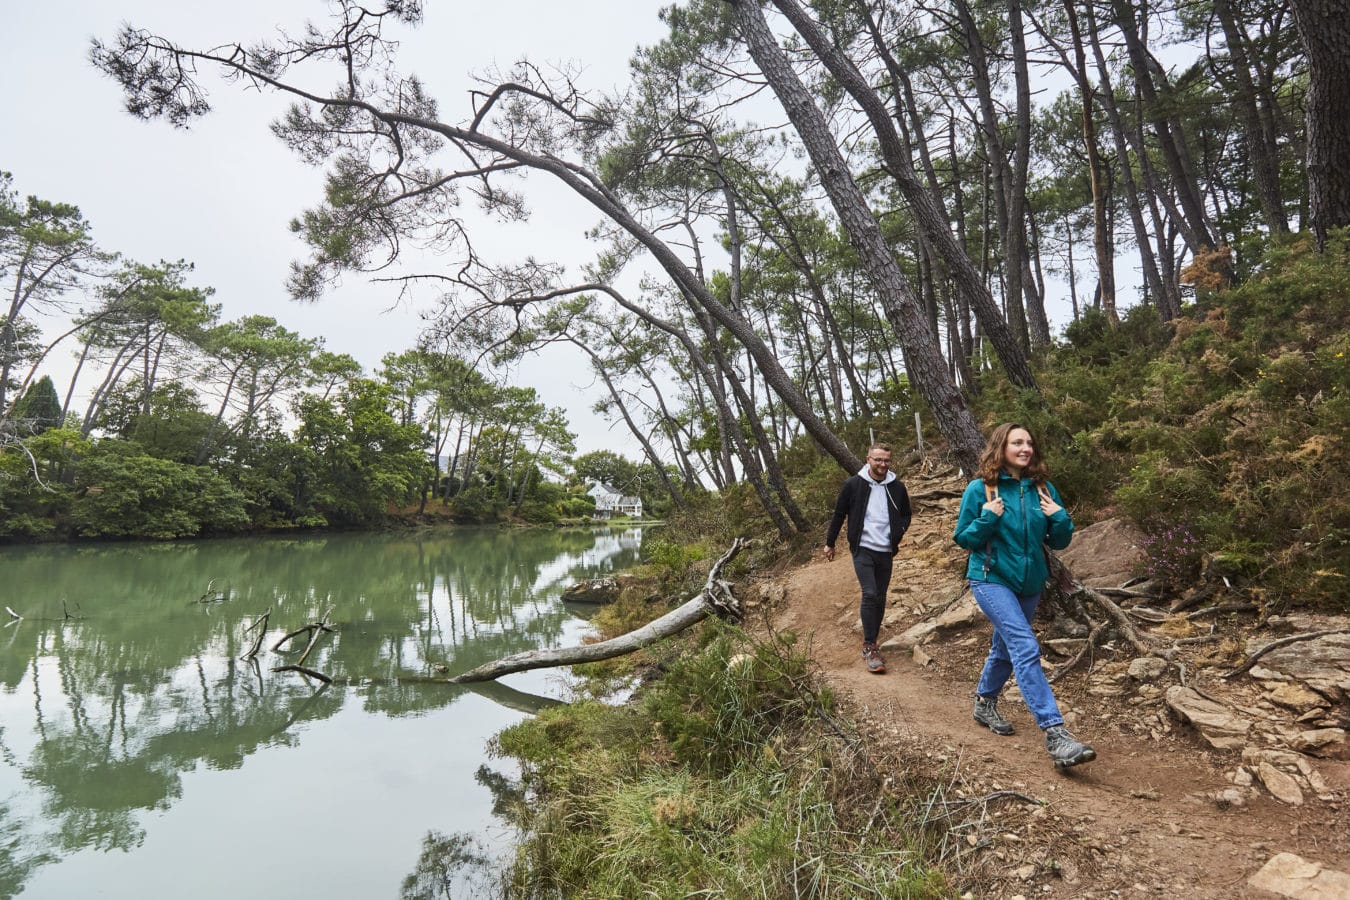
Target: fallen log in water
(715, 597)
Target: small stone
(1147, 668)
(1026, 872)
(1241, 777)
(921, 658)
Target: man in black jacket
(876, 505)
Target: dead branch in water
(304, 671)
(262, 632)
(716, 597)
(312, 629)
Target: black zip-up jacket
(852, 504)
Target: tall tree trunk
(1171, 139)
(924, 360)
(1142, 239)
(931, 218)
(1262, 149)
(1101, 243)
(1324, 26)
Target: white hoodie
(876, 530)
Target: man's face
(878, 464)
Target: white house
(610, 503)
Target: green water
(141, 757)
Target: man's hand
(828, 553)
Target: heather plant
(1172, 554)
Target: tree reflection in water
(105, 713)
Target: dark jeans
(873, 568)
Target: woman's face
(1018, 450)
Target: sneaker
(1065, 749)
(875, 664)
(987, 714)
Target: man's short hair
(886, 447)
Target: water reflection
(118, 682)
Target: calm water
(140, 757)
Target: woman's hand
(1048, 504)
(995, 506)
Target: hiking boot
(875, 664)
(987, 714)
(1065, 749)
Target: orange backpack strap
(989, 493)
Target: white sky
(221, 194)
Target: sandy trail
(1134, 823)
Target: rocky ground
(1219, 787)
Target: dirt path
(1137, 822)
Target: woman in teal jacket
(1007, 513)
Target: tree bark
(931, 219)
(1324, 26)
(924, 361)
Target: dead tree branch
(262, 632)
(715, 598)
(304, 671)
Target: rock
(1104, 554)
(1295, 696)
(593, 590)
(921, 658)
(1281, 786)
(1223, 728)
(1328, 743)
(1293, 876)
(1234, 797)
(1322, 664)
(1064, 646)
(773, 593)
(913, 636)
(1147, 668)
(966, 612)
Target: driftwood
(1282, 642)
(262, 632)
(715, 597)
(304, 671)
(313, 628)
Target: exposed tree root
(1282, 642)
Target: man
(876, 505)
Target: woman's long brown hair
(991, 460)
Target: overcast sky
(221, 194)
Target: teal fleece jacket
(1007, 549)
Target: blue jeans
(873, 568)
(1014, 650)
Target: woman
(1007, 512)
